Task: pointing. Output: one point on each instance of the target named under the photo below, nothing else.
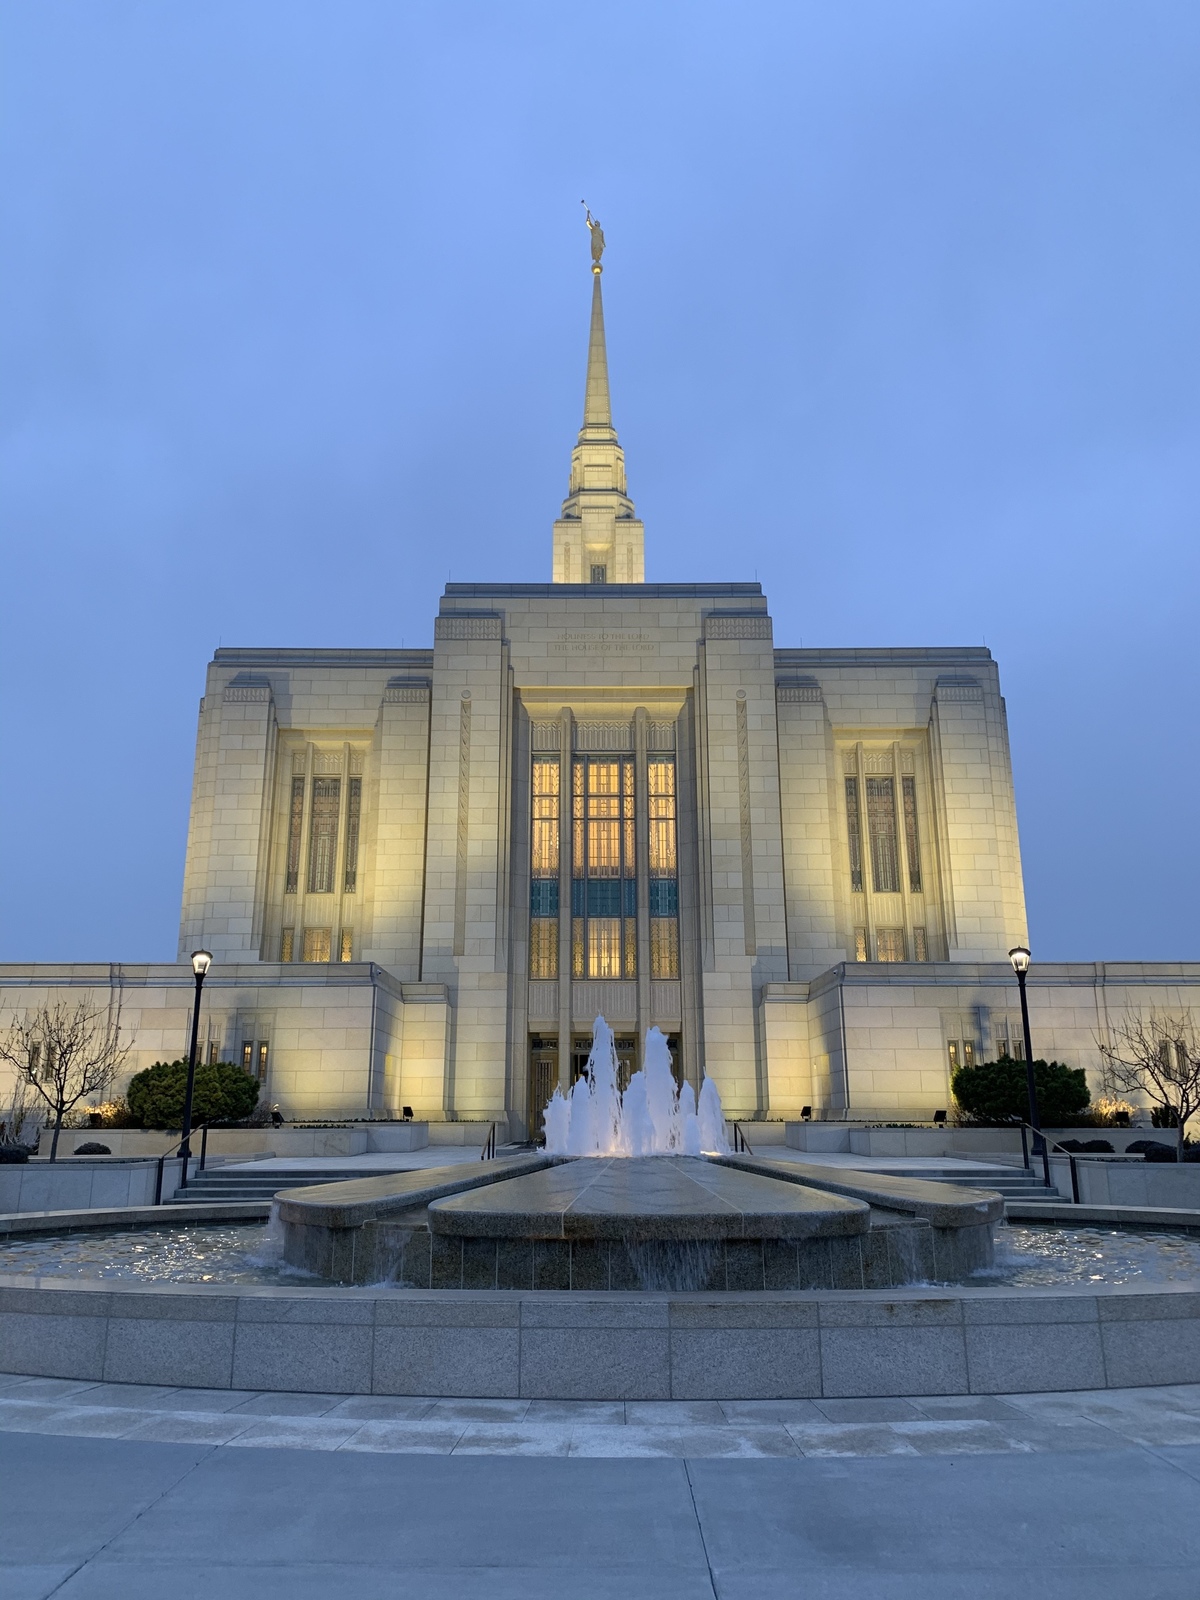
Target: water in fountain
(652, 1117)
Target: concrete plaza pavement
(1071, 1497)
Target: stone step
(220, 1185)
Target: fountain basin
(658, 1222)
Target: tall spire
(597, 407)
(598, 539)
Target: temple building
(422, 873)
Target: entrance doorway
(543, 1078)
(626, 1048)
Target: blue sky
(903, 320)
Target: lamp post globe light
(1020, 958)
(201, 961)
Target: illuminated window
(912, 842)
(961, 1053)
(920, 945)
(889, 944)
(316, 944)
(544, 821)
(543, 947)
(664, 947)
(254, 1059)
(854, 831)
(661, 784)
(664, 869)
(860, 944)
(881, 824)
(323, 832)
(604, 947)
(543, 860)
(603, 866)
(347, 945)
(353, 815)
(295, 826)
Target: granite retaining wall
(603, 1346)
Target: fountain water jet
(652, 1117)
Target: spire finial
(597, 233)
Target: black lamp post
(201, 961)
(1020, 959)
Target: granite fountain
(638, 1190)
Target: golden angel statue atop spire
(597, 233)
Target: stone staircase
(216, 1184)
(1014, 1183)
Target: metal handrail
(488, 1153)
(740, 1146)
(173, 1150)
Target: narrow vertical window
(543, 864)
(248, 1057)
(664, 870)
(854, 833)
(968, 1049)
(287, 945)
(860, 944)
(263, 1051)
(952, 1051)
(323, 832)
(912, 840)
(353, 817)
(295, 827)
(316, 944)
(920, 945)
(347, 945)
(881, 823)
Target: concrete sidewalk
(105, 1519)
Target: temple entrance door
(543, 1078)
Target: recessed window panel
(854, 832)
(295, 828)
(912, 840)
(323, 832)
(881, 824)
(353, 817)
(316, 944)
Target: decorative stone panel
(604, 736)
(616, 1002)
(466, 628)
(543, 1002)
(731, 625)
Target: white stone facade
(831, 914)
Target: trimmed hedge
(995, 1091)
(222, 1093)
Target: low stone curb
(15, 1223)
(1113, 1216)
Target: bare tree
(64, 1053)
(17, 1121)
(1157, 1056)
